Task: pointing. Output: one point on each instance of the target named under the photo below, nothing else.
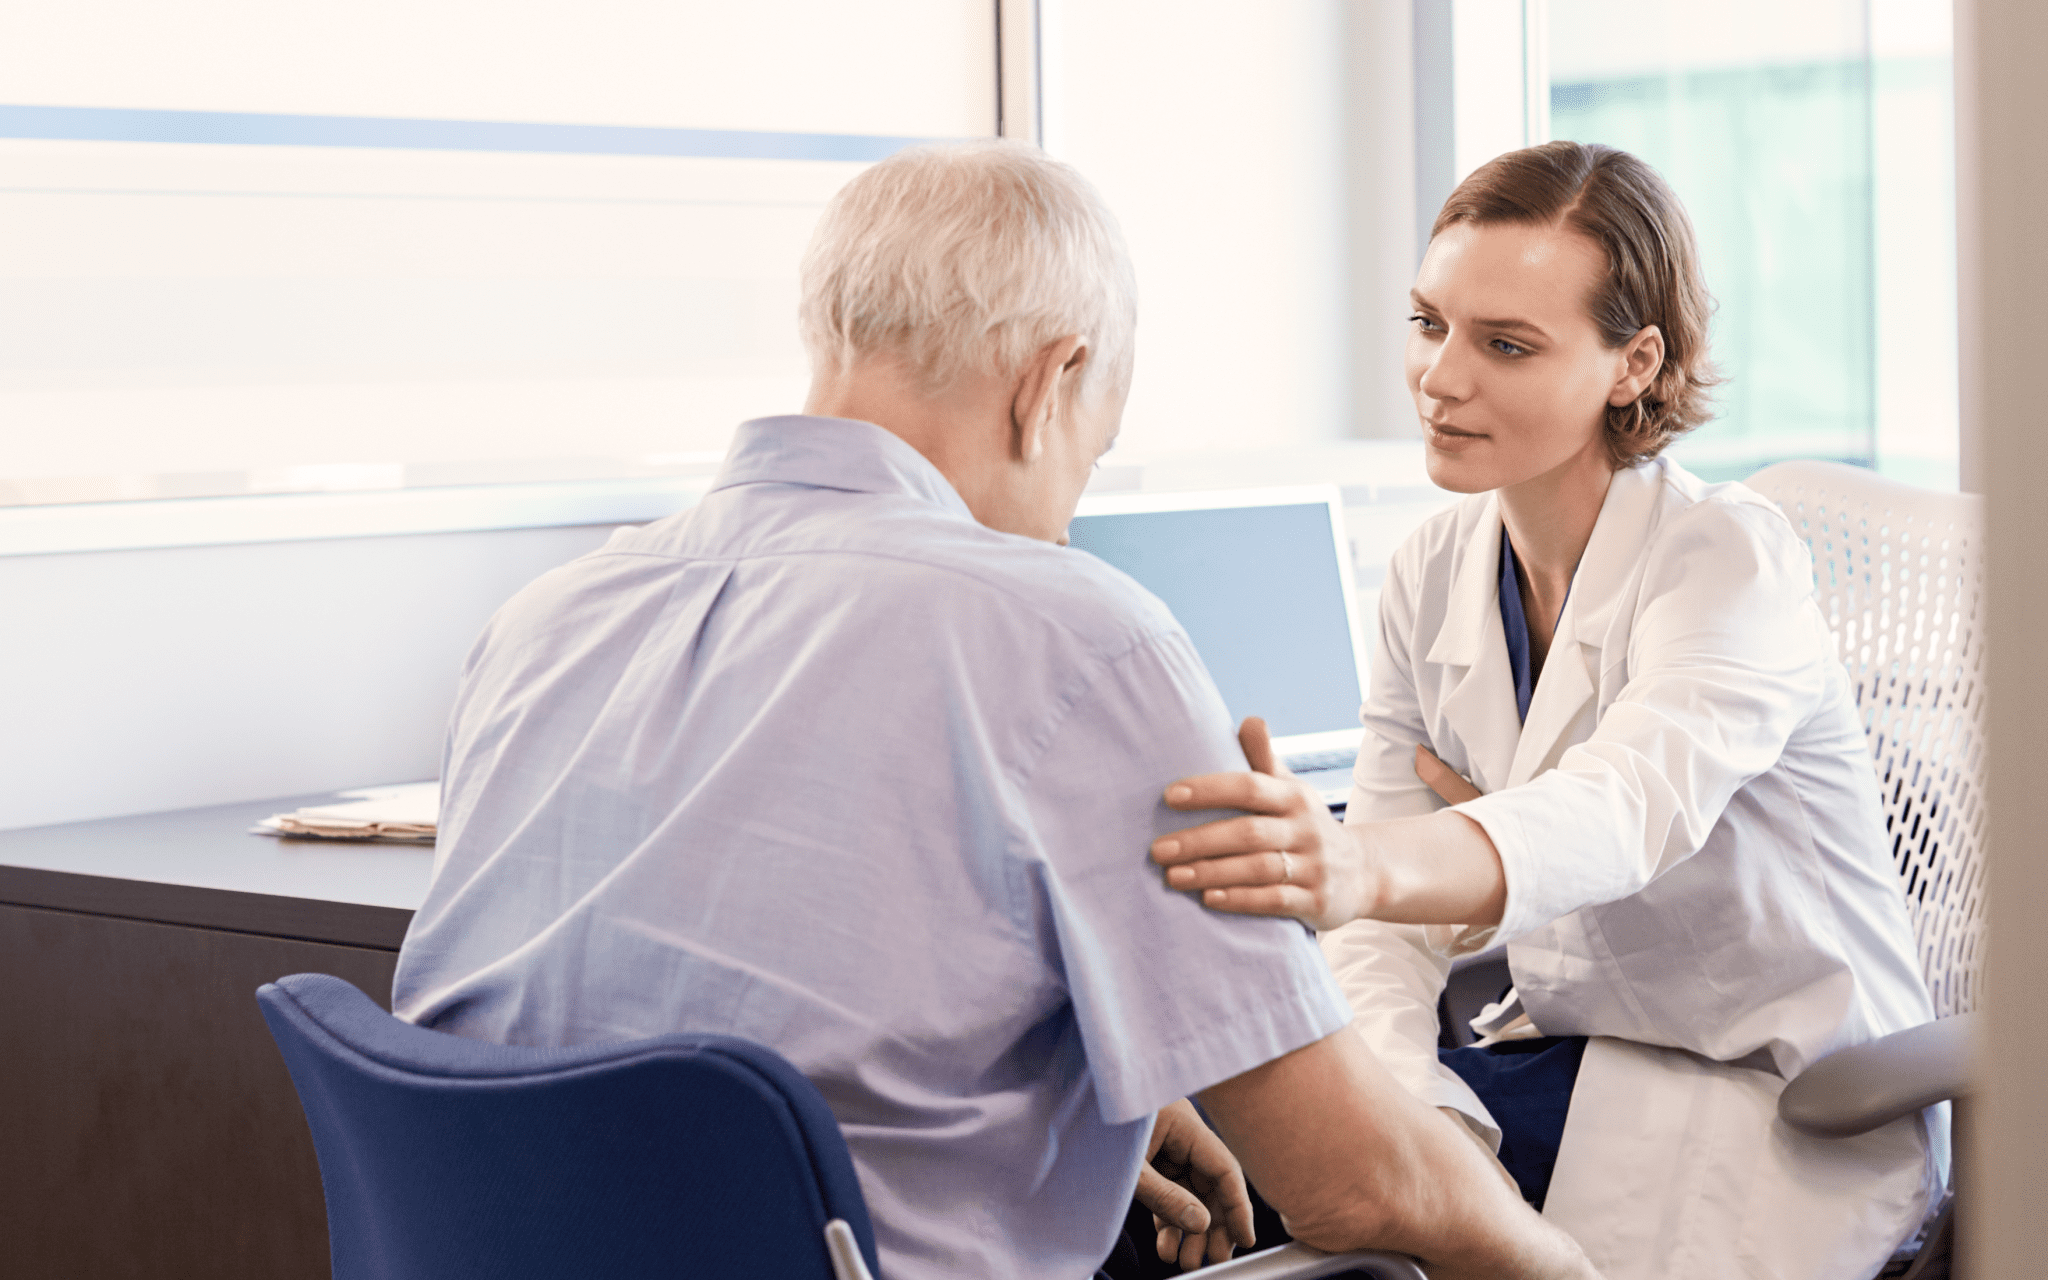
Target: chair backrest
(1899, 574)
(442, 1157)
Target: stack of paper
(402, 814)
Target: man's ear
(1640, 361)
(1044, 387)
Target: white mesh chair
(1899, 574)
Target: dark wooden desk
(148, 1127)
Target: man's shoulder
(1065, 586)
(887, 555)
(965, 579)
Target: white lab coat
(1697, 871)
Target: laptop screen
(1260, 589)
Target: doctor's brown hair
(1653, 270)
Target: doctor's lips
(1443, 435)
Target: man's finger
(1237, 1222)
(1443, 779)
(1220, 1244)
(1230, 1212)
(1167, 1245)
(1170, 1202)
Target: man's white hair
(965, 258)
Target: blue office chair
(446, 1159)
(681, 1155)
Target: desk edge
(350, 924)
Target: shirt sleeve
(1727, 657)
(1170, 997)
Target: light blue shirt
(826, 764)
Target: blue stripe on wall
(242, 128)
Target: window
(1812, 144)
(249, 246)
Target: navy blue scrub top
(1526, 1084)
(1516, 624)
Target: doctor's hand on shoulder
(1285, 855)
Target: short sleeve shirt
(826, 764)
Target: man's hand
(1285, 857)
(1195, 1190)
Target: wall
(1214, 132)
(2002, 187)
(1380, 127)
(1262, 163)
(134, 681)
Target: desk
(147, 1124)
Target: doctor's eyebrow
(1499, 326)
(1512, 326)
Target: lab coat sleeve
(1727, 655)
(1390, 973)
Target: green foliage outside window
(1775, 165)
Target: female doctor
(1660, 798)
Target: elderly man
(856, 760)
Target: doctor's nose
(1447, 376)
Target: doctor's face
(1508, 370)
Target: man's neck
(964, 430)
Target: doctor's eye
(1507, 348)
(1424, 323)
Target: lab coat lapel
(1561, 709)
(1472, 647)
(1563, 698)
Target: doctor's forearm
(1440, 868)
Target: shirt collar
(833, 453)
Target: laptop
(1262, 580)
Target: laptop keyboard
(1316, 761)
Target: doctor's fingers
(1296, 900)
(1246, 869)
(1271, 884)
(1252, 833)
(1252, 792)
(1450, 786)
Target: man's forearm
(1352, 1161)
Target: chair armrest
(1299, 1262)
(844, 1248)
(1859, 1088)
